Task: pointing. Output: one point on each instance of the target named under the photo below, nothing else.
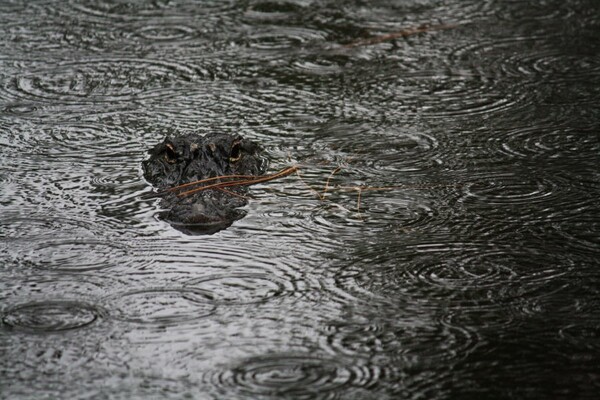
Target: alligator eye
(236, 152)
(170, 154)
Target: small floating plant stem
(398, 34)
(215, 178)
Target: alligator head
(190, 158)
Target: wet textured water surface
(455, 252)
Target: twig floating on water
(396, 35)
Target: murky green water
(468, 267)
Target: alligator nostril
(236, 152)
(170, 153)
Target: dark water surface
(473, 271)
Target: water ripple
(62, 243)
(104, 36)
(548, 140)
(101, 80)
(72, 254)
(89, 143)
(162, 305)
(16, 226)
(51, 315)
(318, 66)
(19, 109)
(510, 190)
(583, 335)
(529, 58)
(297, 375)
(241, 288)
(166, 32)
(460, 275)
(83, 286)
(277, 38)
(410, 343)
(553, 65)
(399, 150)
(582, 232)
(127, 10)
(273, 10)
(132, 39)
(12, 7)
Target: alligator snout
(182, 160)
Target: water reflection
(440, 241)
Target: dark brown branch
(396, 35)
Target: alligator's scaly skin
(183, 159)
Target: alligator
(179, 160)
